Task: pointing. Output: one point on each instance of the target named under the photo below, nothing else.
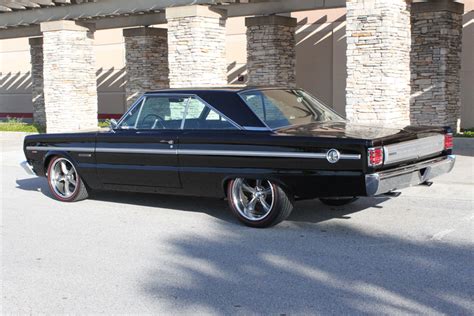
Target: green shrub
(469, 132)
(18, 127)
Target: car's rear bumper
(27, 167)
(399, 178)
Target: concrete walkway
(138, 253)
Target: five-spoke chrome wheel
(253, 199)
(63, 178)
(258, 202)
(64, 181)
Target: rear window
(279, 108)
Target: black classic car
(261, 148)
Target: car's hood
(343, 129)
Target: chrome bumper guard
(386, 181)
(28, 168)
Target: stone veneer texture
(196, 46)
(146, 54)
(378, 61)
(271, 54)
(70, 92)
(436, 66)
(36, 53)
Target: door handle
(169, 142)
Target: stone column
(378, 61)
(69, 79)
(271, 52)
(436, 63)
(196, 46)
(37, 97)
(146, 54)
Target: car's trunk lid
(400, 145)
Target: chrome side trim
(240, 153)
(262, 154)
(137, 151)
(74, 149)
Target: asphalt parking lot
(138, 253)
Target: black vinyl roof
(224, 99)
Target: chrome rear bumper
(386, 181)
(27, 167)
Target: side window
(200, 116)
(156, 112)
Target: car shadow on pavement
(285, 270)
(309, 211)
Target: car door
(142, 150)
(206, 134)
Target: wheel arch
(54, 153)
(276, 180)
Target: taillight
(448, 141)
(375, 156)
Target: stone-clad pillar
(378, 61)
(271, 52)
(69, 79)
(37, 97)
(196, 46)
(146, 54)
(436, 63)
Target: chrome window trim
(255, 128)
(189, 96)
(139, 100)
(186, 108)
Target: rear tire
(64, 181)
(258, 203)
(338, 202)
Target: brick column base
(196, 46)
(436, 63)
(271, 53)
(37, 97)
(378, 61)
(70, 90)
(146, 54)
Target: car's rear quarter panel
(206, 174)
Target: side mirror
(113, 124)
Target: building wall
(320, 64)
(15, 76)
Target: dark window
(201, 116)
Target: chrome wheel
(253, 199)
(63, 178)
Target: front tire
(258, 203)
(64, 181)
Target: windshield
(279, 108)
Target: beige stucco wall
(15, 79)
(320, 68)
